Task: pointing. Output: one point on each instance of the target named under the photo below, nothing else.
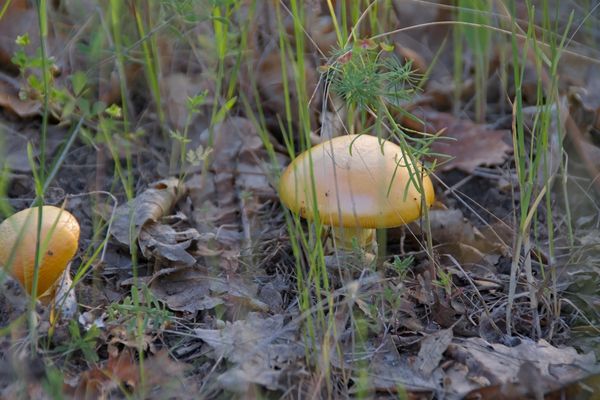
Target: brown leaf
(473, 144)
(259, 347)
(176, 89)
(228, 202)
(18, 19)
(122, 371)
(151, 205)
(192, 290)
(458, 237)
(432, 350)
(14, 141)
(161, 241)
(269, 75)
(388, 369)
(9, 100)
(497, 364)
(185, 290)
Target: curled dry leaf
(151, 205)
(261, 349)
(161, 241)
(471, 144)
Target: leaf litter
(214, 249)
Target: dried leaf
(151, 205)
(14, 141)
(163, 242)
(9, 100)
(432, 350)
(123, 371)
(176, 90)
(388, 369)
(192, 290)
(18, 19)
(473, 144)
(185, 290)
(259, 347)
(458, 237)
(497, 364)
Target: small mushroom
(58, 245)
(360, 183)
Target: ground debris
(261, 349)
(468, 144)
(121, 372)
(145, 214)
(477, 363)
(192, 289)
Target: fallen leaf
(497, 364)
(176, 90)
(388, 370)
(471, 145)
(122, 371)
(192, 290)
(151, 205)
(9, 100)
(18, 19)
(161, 241)
(14, 142)
(259, 347)
(228, 202)
(432, 350)
(458, 237)
(185, 290)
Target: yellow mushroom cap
(58, 245)
(359, 180)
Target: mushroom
(361, 183)
(58, 245)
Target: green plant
(154, 314)
(86, 343)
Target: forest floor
(164, 127)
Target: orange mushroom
(58, 244)
(360, 183)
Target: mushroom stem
(344, 236)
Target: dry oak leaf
(472, 144)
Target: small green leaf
(23, 40)
(220, 116)
(114, 111)
(386, 47)
(79, 82)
